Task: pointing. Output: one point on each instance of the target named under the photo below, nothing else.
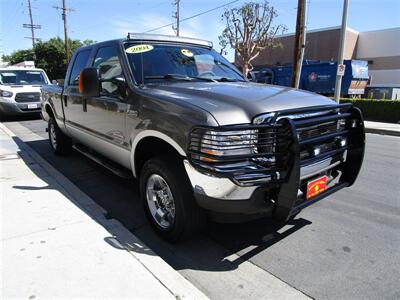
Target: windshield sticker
(187, 52)
(139, 49)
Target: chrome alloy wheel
(160, 201)
(53, 136)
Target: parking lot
(344, 247)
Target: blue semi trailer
(318, 77)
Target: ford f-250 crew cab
(201, 139)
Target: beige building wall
(381, 48)
(321, 44)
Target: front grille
(27, 97)
(269, 153)
(323, 135)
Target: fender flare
(152, 133)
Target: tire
(59, 142)
(188, 217)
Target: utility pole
(177, 17)
(31, 26)
(64, 17)
(300, 43)
(340, 70)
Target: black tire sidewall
(64, 143)
(163, 167)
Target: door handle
(84, 104)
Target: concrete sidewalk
(382, 128)
(56, 242)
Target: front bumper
(14, 109)
(286, 196)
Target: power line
(64, 10)
(31, 26)
(176, 16)
(191, 17)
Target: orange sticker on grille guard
(316, 187)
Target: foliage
(18, 56)
(377, 110)
(249, 30)
(49, 55)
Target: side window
(79, 64)
(107, 62)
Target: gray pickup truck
(203, 141)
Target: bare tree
(250, 30)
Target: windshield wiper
(179, 77)
(227, 79)
(204, 78)
(170, 76)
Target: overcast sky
(108, 19)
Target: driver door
(105, 115)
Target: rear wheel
(168, 199)
(60, 143)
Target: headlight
(5, 93)
(214, 144)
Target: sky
(101, 20)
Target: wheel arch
(150, 143)
(49, 110)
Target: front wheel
(60, 143)
(168, 199)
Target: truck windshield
(22, 77)
(152, 62)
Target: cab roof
(167, 38)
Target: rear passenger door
(105, 115)
(73, 100)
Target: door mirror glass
(89, 83)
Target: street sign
(340, 70)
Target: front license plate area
(32, 106)
(316, 187)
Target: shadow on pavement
(27, 117)
(214, 250)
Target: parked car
(20, 90)
(202, 140)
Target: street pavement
(57, 242)
(346, 246)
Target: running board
(105, 162)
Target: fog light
(316, 151)
(354, 123)
(341, 142)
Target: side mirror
(59, 82)
(89, 83)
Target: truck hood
(238, 102)
(20, 88)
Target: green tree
(18, 56)
(48, 55)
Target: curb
(172, 280)
(382, 131)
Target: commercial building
(381, 48)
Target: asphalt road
(344, 247)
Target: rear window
(80, 63)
